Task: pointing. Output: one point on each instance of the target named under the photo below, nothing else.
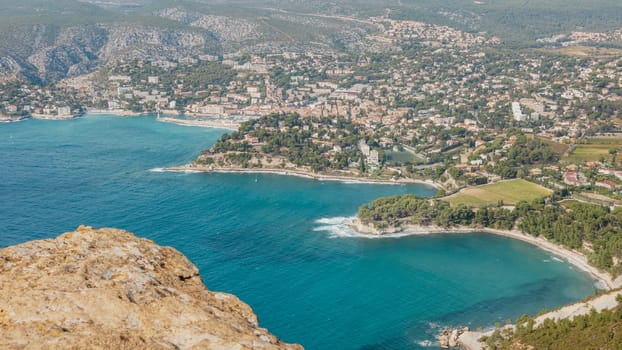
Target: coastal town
(517, 135)
(426, 102)
(436, 98)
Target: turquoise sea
(277, 242)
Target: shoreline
(574, 258)
(42, 116)
(215, 124)
(116, 112)
(300, 173)
(169, 116)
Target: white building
(517, 112)
(364, 148)
(65, 110)
(373, 157)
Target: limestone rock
(108, 289)
(448, 337)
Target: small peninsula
(320, 148)
(108, 289)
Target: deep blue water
(277, 242)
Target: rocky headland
(108, 289)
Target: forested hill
(46, 41)
(592, 229)
(518, 23)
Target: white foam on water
(164, 170)
(361, 182)
(336, 227)
(425, 343)
(339, 227)
(600, 285)
(557, 259)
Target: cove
(276, 242)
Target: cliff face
(108, 289)
(53, 53)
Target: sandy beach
(302, 173)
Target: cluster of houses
(578, 178)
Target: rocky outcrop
(53, 53)
(449, 337)
(108, 289)
(370, 229)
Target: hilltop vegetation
(289, 138)
(409, 209)
(518, 22)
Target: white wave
(14, 121)
(336, 227)
(165, 170)
(362, 182)
(546, 260)
(557, 259)
(425, 343)
(600, 285)
(339, 220)
(339, 227)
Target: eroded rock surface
(108, 289)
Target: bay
(277, 242)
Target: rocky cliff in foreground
(108, 289)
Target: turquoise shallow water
(277, 242)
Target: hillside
(108, 289)
(46, 41)
(592, 324)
